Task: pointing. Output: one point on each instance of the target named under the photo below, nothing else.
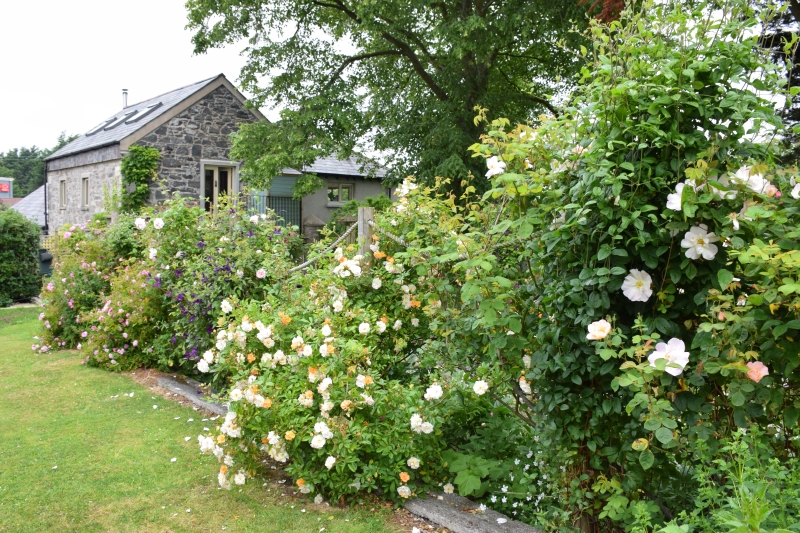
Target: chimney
(124, 98)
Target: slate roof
(346, 167)
(106, 137)
(32, 206)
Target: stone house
(190, 127)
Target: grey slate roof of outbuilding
(116, 134)
(32, 206)
(346, 167)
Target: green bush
(19, 257)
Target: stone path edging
(460, 515)
(454, 512)
(191, 391)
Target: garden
(607, 339)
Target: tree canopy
(25, 165)
(401, 77)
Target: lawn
(78, 453)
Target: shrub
(19, 265)
(80, 276)
(325, 374)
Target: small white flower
(397, 325)
(380, 326)
(318, 442)
(598, 330)
(448, 488)
(363, 328)
(674, 199)
(434, 392)
(158, 223)
(239, 478)
(403, 491)
(338, 306)
(480, 387)
(153, 253)
(330, 461)
(202, 366)
(254, 219)
(415, 322)
(140, 223)
(221, 344)
(495, 166)
(636, 285)
(795, 191)
(413, 463)
(236, 395)
(674, 352)
(699, 243)
(377, 283)
(226, 307)
(326, 330)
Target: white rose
(480, 387)
(330, 461)
(140, 223)
(158, 223)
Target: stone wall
(199, 132)
(101, 174)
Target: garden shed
(191, 128)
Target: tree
(26, 165)
(402, 77)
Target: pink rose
(261, 273)
(757, 371)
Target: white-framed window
(62, 194)
(85, 191)
(340, 192)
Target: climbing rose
(674, 352)
(674, 199)
(698, 243)
(377, 283)
(598, 330)
(480, 387)
(158, 223)
(796, 191)
(413, 463)
(363, 328)
(261, 273)
(139, 223)
(757, 371)
(636, 285)
(495, 166)
(330, 461)
(226, 308)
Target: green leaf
(646, 459)
(664, 435)
(725, 278)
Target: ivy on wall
(138, 171)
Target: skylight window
(99, 127)
(117, 121)
(143, 113)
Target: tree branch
(417, 65)
(530, 97)
(353, 59)
(404, 48)
(666, 512)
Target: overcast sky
(65, 64)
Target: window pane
(333, 193)
(208, 191)
(347, 193)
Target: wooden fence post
(365, 216)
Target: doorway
(218, 182)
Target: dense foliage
(138, 170)
(19, 257)
(146, 290)
(400, 76)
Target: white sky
(64, 64)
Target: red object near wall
(5, 187)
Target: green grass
(113, 457)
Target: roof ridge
(172, 91)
